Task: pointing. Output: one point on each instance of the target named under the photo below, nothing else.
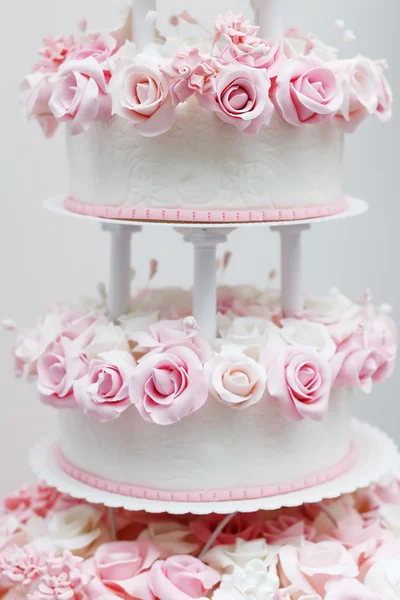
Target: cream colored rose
(107, 338)
(235, 379)
(303, 333)
(171, 538)
(390, 516)
(224, 558)
(383, 578)
(248, 334)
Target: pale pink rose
(190, 73)
(101, 48)
(169, 386)
(80, 95)
(357, 366)
(234, 28)
(103, 392)
(349, 589)
(34, 95)
(77, 324)
(140, 93)
(181, 578)
(246, 526)
(170, 538)
(286, 529)
(380, 333)
(168, 334)
(300, 379)
(61, 579)
(120, 570)
(58, 369)
(385, 94)
(55, 52)
(361, 85)
(354, 530)
(311, 566)
(235, 379)
(241, 97)
(387, 493)
(383, 579)
(307, 91)
(20, 566)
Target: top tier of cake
(231, 128)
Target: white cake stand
(377, 458)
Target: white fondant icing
(215, 448)
(203, 163)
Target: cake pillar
(119, 289)
(143, 29)
(291, 268)
(205, 242)
(270, 20)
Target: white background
(44, 258)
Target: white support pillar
(205, 242)
(143, 30)
(119, 288)
(270, 20)
(291, 268)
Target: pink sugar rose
(355, 366)
(120, 570)
(241, 97)
(55, 52)
(20, 566)
(101, 48)
(35, 94)
(235, 379)
(77, 324)
(234, 28)
(300, 379)
(181, 578)
(167, 334)
(140, 93)
(169, 386)
(246, 526)
(307, 91)
(311, 566)
(362, 85)
(58, 369)
(257, 53)
(380, 332)
(348, 589)
(385, 94)
(61, 580)
(388, 493)
(28, 501)
(190, 73)
(80, 95)
(104, 391)
(286, 529)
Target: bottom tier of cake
(215, 454)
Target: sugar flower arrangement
(54, 547)
(155, 360)
(241, 78)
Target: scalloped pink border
(186, 215)
(208, 495)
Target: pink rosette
(361, 85)
(35, 94)
(241, 97)
(190, 73)
(307, 91)
(168, 334)
(258, 54)
(300, 379)
(58, 369)
(235, 379)
(20, 566)
(311, 566)
(246, 526)
(61, 579)
(80, 95)
(120, 570)
(104, 391)
(234, 28)
(286, 529)
(181, 578)
(140, 93)
(169, 386)
(55, 52)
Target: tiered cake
(227, 400)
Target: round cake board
(377, 457)
(355, 207)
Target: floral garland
(81, 359)
(241, 78)
(54, 547)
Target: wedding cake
(245, 124)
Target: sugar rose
(168, 386)
(241, 97)
(181, 577)
(307, 91)
(35, 94)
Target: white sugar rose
(225, 557)
(137, 321)
(248, 334)
(253, 582)
(329, 309)
(79, 529)
(235, 379)
(107, 338)
(300, 332)
(390, 517)
(384, 579)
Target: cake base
(377, 456)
